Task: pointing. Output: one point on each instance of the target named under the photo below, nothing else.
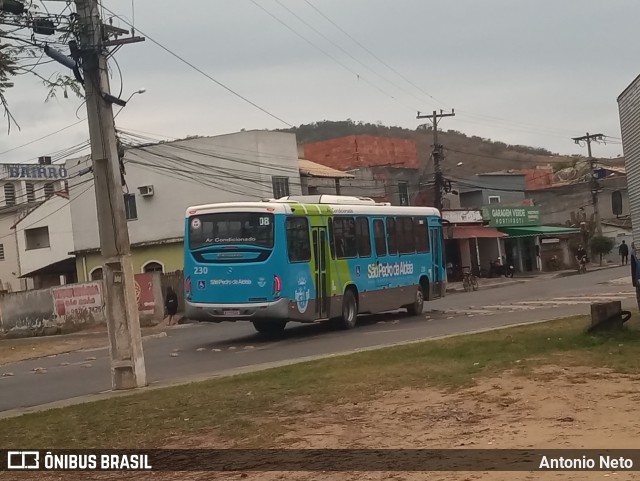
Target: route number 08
(200, 270)
(264, 221)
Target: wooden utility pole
(437, 155)
(127, 358)
(593, 184)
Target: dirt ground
(550, 408)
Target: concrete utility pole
(127, 358)
(593, 184)
(437, 154)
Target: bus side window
(379, 237)
(345, 237)
(421, 234)
(391, 236)
(363, 237)
(332, 243)
(298, 244)
(405, 234)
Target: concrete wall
(188, 172)
(26, 312)
(357, 151)
(55, 215)
(73, 307)
(475, 192)
(379, 183)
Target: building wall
(379, 183)
(171, 256)
(475, 192)
(557, 204)
(630, 132)
(235, 167)
(9, 266)
(55, 215)
(18, 176)
(357, 151)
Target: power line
(358, 76)
(42, 138)
(371, 53)
(186, 62)
(346, 52)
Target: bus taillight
(187, 286)
(277, 286)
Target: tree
(601, 246)
(23, 36)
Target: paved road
(207, 349)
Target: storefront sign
(462, 216)
(503, 216)
(35, 171)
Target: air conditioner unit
(146, 190)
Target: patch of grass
(240, 407)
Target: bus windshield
(228, 228)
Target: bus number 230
(200, 270)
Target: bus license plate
(231, 313)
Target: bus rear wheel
(269, 327)
(349, 310)
(416, 308)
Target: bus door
(438, 282)
(380, 240)
(319, 236)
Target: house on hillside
(22, 188)
(384, 168)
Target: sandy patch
(552, 408)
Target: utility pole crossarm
(594, 185)
(437, 154)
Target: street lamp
(141, 91)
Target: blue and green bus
(308, 259)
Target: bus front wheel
(269, 327)
(349, 310)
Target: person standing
(171, 303)
(623, 250)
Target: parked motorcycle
(496, 269)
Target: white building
(45, 240)
(163, 179)
(22, 188)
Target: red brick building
(357, 151)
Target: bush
(601, 246)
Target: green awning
(538, 230)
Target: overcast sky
(533, 73)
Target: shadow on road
(297, 331)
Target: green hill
(477, 155)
